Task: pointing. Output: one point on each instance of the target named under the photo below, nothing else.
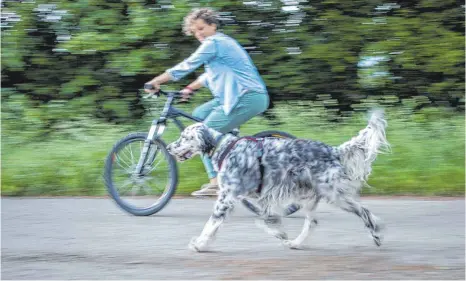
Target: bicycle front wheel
(145, 193)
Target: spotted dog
(297, 171)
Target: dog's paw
(281, 235)
(377, 235)
(378, 238)
(272, 231)
(197, 245)
(379, 227)
(292, 245)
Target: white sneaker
(207, 189)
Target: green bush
(427, 158)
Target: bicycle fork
(156, 130)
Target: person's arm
(159, 80)
(203, 54)
(200, 82)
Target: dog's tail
(358, 153)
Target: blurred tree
(89, 57)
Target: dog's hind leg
(370, 221)
(309, 224)
(223, 206)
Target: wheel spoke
(130, 151)
(126, 169)
(129, 183)
(155, 186)
(155, 166)
(118, 158)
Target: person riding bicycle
(239, 93)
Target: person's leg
(249, 105)
(205, 109)
(202, 112)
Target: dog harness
(259, 142)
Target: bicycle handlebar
(154, 95)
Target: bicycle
(142, 164)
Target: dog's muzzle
(185, 156)
(180, 156)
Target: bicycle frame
(158, 127)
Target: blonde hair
(207, 14)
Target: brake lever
(149, 96)
(154, 95)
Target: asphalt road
(72, 238)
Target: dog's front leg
(223, 207)
(309, 224)
(201, 243)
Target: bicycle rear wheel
(291, 209)
(146, 193)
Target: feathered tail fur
(358, 153)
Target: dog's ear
(207, 140)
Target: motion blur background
(72, 71)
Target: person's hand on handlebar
(151, 87)
(156, 82)
(186, 94)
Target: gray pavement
(76, 238)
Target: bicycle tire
(291, 209)
(274, 134)
(112, 190)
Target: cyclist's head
(201, 23)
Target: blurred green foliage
(100, 51)
(71, 71)
(427, 151)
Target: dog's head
(195, 139)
